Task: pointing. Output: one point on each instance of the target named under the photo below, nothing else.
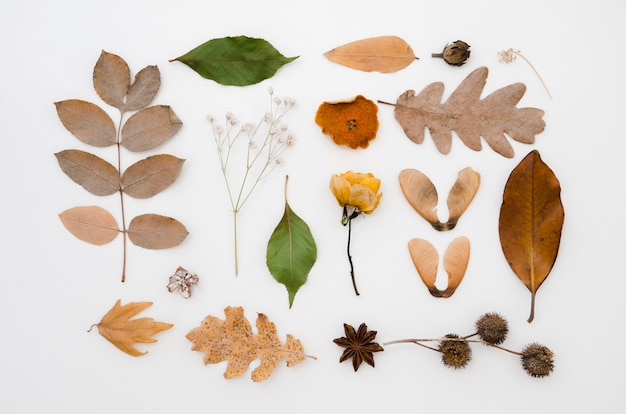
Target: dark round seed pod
(537, 360)
(455, 53)
(455, 354)
(492, 328)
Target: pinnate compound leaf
(123, 332)
(93, 173)
(151, 175)
(91, 224)
(384, 54)
(149, 128)
(530, 223)
(153, 231)
(291, 251)
(141, 93)
(469, 116)
(111, 79)
(87, 122)
(238, 60)
(421, 194)
(232, 340)
(426, 261)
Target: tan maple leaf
(232, 340)
(469, 116)
(117, 327)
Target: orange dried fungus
(352, 123)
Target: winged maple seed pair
(421, 194)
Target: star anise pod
(359, 345)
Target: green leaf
(291, 251)
(238, 60)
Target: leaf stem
(121, 190)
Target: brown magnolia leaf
(90, 171)
(531, 220)
(469, 116)
(376, 54)
(152, 231)
(426, 261)
(151, 175)
(91, 224)
(111, 79)
(117, 327)
(141, 93)
(232, 340)
(421, 194)
(149, 128)
(87, 122)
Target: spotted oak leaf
(232, 340)
(117, 327)
(469, 116)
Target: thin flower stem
(356, 291)
(518, 53)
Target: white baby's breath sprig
(509, 55)
(265, 143)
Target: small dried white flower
(278, 101)
(270, 90)
(267, 117)
(210, 118)
(218, 129)
(182, 281)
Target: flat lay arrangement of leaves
(530, 221)
(146, 129)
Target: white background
(55, 286)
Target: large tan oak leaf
(469, 116)
(232, 340)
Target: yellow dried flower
(357, 190)
(352, 123)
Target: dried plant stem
(121, 190)
(356, 291)
(464, 339)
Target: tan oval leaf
(377, 54)
(455, 262)
(92, 172)
(421, 194)
(87, 122)
(151, 175)
(111, 79)
(91, 224)
(149, 128)
(426, 261)
(144, 89)
(152, 231)
(461, 194)
(531, 221)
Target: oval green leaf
(238, 60)
(291, 251)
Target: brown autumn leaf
(531, 220)
(232, 340)
(143, 90)
(421, 194)
(151, 175)
(90, 171)
(469, 116)
(153, 231)
(149, 128)
(111, 79)
(384, 54)
(87, 122)
(91, 224)
(426, 261)
(117, 327)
